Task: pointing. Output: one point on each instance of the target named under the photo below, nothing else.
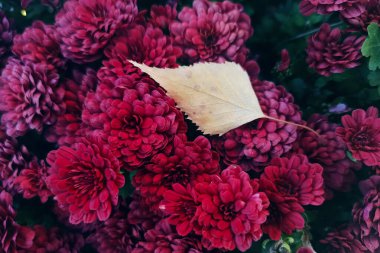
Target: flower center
(85, 179)
(189, 209)
(208, 36)
(227, 211)
(133, 122)
(284, 186)
(179, 174)
(274, 214)
(361, 140)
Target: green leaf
(371, 46)
(349, 155)
(374, 78)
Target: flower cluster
(333, 51)
(329, 150)
(103, 153)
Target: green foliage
(127, 189)
(374, 80)
(371, 46)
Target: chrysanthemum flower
(134, 116)
(184, 164)
(145, 44)
(344, 240)
(285, 61)
(285, 215)
(140, 215)
(350, 8)
(31, 181)
(54, 240)
(68, 127)
(85, 26)
(255, 143)
(329, 150)
(361, 132)
(114, 69)
(180, 206)
(12, 236)
(162, 16)
(329, 53)
(231, 211)
(371, 14)
(211, 31)
(38, 44)
(6, 34)
(366, 214)
(31, 97)
(115, 235)
(294, 177)
(13, 158)
(163, 239)
(85, 179)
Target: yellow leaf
(217, 97)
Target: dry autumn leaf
(217, 97)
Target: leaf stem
(294, 124)
(299, 36)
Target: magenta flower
(361, 132)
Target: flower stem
(299, 36)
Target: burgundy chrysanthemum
(367, 214)
(12, 236)
(285, 215)
(162, 16)
(294, 177)
(163, 239)
(54, 240)
(231, 210)
(144, 44)
(184, 164)
(255, 143)
(85, 26)
(349, 8)
(31, 181)
(180, 205)
(361, 132)
(31, 97)
(140, 215)
(63, 217)
(85, 179)
(6, 34)
(285, 61)
(114, 69)
(68, 127)
(371, 14)
(13, 158)
(329, 53)
(115, 235)
(211, 31)
(252, 68)
(134, 116)
(38, 44)
(329, 150)
(344, 240)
